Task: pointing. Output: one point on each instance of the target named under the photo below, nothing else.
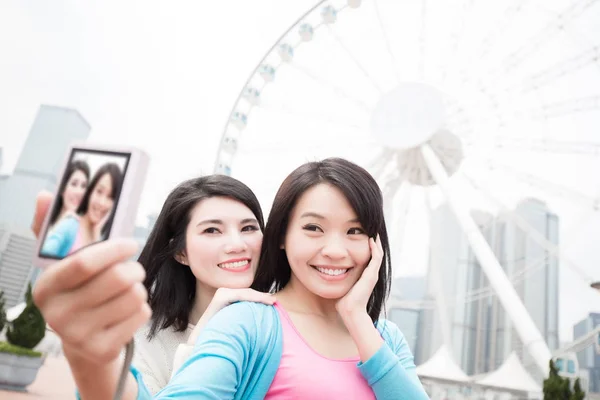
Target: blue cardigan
(61, 238)
(238, 353)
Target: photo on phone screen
(85, 203)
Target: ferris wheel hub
(446, 146)
(408, 116)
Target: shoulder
(68, 224)
(248, 321)
(246, 313)
(165, 341)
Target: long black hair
(365, 197)
(116, 177)
(171, 285)
(71, 169)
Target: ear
(181, 258)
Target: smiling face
(74, 190)
(223, 240)
(325, 244)
(101, 199)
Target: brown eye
(356, 231)
(312, 228)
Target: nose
(334, 248)
(236, 244)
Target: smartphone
(97, 197)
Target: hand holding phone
(90, 293)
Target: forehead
(77, 174)
(221, 208)
(326, 200)
(105, 180)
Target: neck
(61, 214)
(85, 223)
(204, 295)
(296, 297)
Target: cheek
(254, 242)
(67, 194)
(198, 252)
(301, 252)
(361, 253)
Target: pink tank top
(305, 374)
(77, 243)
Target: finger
(78, 328)
(256, 296)
(376, 250)
(121, 307)
(106, 345)
(108, 284)
(42, 205)
(74, 270)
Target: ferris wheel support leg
(532, 340)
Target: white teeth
(237, 264)
(332, 272)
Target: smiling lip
(235, 265)
(328, 276)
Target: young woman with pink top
(325, 254)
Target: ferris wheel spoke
(544, 184)
(287, 146)
(547, 33)
(561, 69)
(422, 40)
(355, 60)
(501, 26)
(456, 36)
(526, 227)
(312, 116)
(379, 163)
(388, 46)
(337, 90)
(567, 107)
(543, 146)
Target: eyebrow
(220, 222)
(319, 216)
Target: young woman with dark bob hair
(200, 256)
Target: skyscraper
(482, 335)
(588, 358)
(454, 272)
(37, 168)
(410, 289)
(54, 128)
(534, 272)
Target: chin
(330, 293)
(236, 282)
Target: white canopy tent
(441, 366)
(511, 376)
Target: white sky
(164, 75)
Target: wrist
(364, 333)
(354, 316)
(95, 380)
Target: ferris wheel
(473, 103)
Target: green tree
(29, 328)
(578, 394)
(555, 386)
(2, 311)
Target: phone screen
(85, 203)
